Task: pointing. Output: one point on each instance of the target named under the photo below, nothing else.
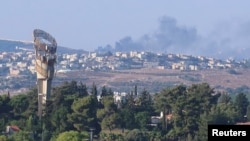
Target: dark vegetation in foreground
(74, 111)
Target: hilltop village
(17, 69)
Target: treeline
(74, 112)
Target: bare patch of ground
(155, 79)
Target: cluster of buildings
(138, 60)
(21, 63)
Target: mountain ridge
(9, 45)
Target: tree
(108, 115)
(109, 105)
(179, 112)
(4, 106)
(145, 101)
(142, 119)
(225, 98)
(33, 125)
(59, 120)
(110, 121)
(135, 91)
(248, 113)
(241, 103)
(136, 135)
(165, 101)
(128, 118)
(186, 105)
(223, 113)
(202, 134)
(204, 95)
(5, 109)
(72, 136)
(104, 91)
(32, 103)
(110, 92)
(130, 101)
(62, 96)
(161, 105)
(94, 90)
(200, 98)
(83, 116)
(83, 90)
(19, 104)
(21, 136)
(73, 88)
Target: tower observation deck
(45, 57)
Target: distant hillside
(10, 46)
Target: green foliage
(32, 103)
(108, 115)
(136, 135)
(241, 103)
(111, 137)
(128, 119)
(4, 103)
(202, 134)
(94, 90)
(186, 104)
(155, 136)
(59, 119)
(21, 136)
(108, 104)
(223, 113)
(72, 136)
(225, 98)
(5, 109)
(83, 90)
(3, 138)
(104, 91)
(130, 102)
(32, 123)
(242, 89)
(84, 113)
(110, 121)
(19, 103)
(248, 113)
(142, 119)
(72, 111)
(136, 91)
(144, 102)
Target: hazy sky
(86, 24)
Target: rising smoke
(227, 40)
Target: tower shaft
(45, 49)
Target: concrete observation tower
(45, 50)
